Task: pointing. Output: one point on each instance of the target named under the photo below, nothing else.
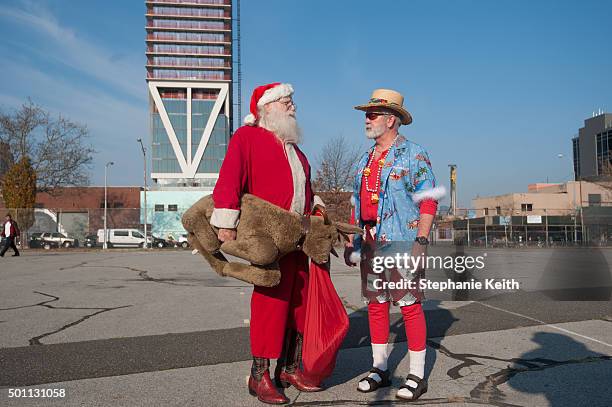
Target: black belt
(370, 223)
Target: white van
(122, 237)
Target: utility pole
(105, 244)
(144, 156)
(452, 210)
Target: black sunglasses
(374, 115)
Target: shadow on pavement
(565, 371)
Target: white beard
(376, 131)
(283, 125)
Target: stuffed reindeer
(265, 233)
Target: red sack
(325, 327)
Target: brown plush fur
(265, 233)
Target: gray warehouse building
(593, 147)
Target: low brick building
(79, 211)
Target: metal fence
(562, 227)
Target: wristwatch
(422, 240)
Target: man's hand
(348, 250)
(419, 251)
(226, 234)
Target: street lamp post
(105, 245)
(561, 156)
(144, 156)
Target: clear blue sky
(496, 87)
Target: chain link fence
(590, 226)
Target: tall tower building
(189, 77)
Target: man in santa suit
(263, 159)
(395, 197)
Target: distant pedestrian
(10, 231)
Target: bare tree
(336, 166)
(57, 147)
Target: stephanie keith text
(424, 284)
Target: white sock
(380, 354)
(417, 368)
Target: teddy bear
(264, 234)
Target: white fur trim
(352, 200)
(298, 202)
(436, 194)
(249, 120)
(275, 93)
(225, 218)
(355, 257)
(318, 201)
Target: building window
(159, 208)
(172, 208)
(594, 199)
(486, 211)
(498, 210)
(604, 153)
(526, 207)
(576, 150)
(444, 233)
(39, 205)
(117, 204)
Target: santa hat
(263, 95)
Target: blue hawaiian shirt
(406, 179)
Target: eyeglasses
(374, 115)
(288, 103)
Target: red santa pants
(414, 324)
(274, 309)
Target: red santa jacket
(256, 162)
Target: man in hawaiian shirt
(395, 197)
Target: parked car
(157, 242)
(123, 238)
(60, 238)
(91, 241)
(182, 241)
(35, 236)
(37, 242)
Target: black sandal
(417, 391)
(374, 385)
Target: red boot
(298, 380)
(288, 369)
(265, 391)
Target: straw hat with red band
(386, 99)
(263, 95)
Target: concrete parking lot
(159, 328)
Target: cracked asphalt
(159, 328)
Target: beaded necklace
(368, 170)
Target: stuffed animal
(264, 234)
